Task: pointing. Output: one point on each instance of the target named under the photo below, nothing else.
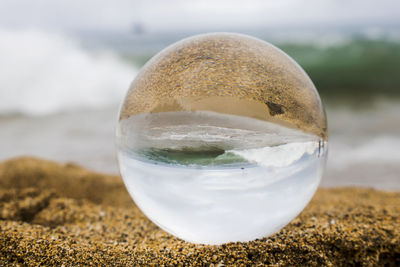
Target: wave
(342, 64)
(357, 67)
(279, 156)
(43, 73)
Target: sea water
(214, 178)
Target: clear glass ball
(221, 137)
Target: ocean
(60, 95)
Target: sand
(231, 74)
(55, 214)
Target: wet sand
(55, 214)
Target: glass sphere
(221, 137)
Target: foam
(43, 73)
(278, 156)
(204, 129)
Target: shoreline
(53, 213)
(362, 143)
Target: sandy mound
(55, 214)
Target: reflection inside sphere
(221, 137)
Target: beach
(63, 202)
(72, 117)
(362, 144)
(63, 214)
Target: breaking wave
(44, 73)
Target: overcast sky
(162, 15)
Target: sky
(164, 15)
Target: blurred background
(66, 65)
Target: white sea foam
(202, 129)
(382, 149)
(278, 156)
(44, 73)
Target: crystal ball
(221, 137)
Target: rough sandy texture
(231, 74)
(56, 214)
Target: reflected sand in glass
(222, 137)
